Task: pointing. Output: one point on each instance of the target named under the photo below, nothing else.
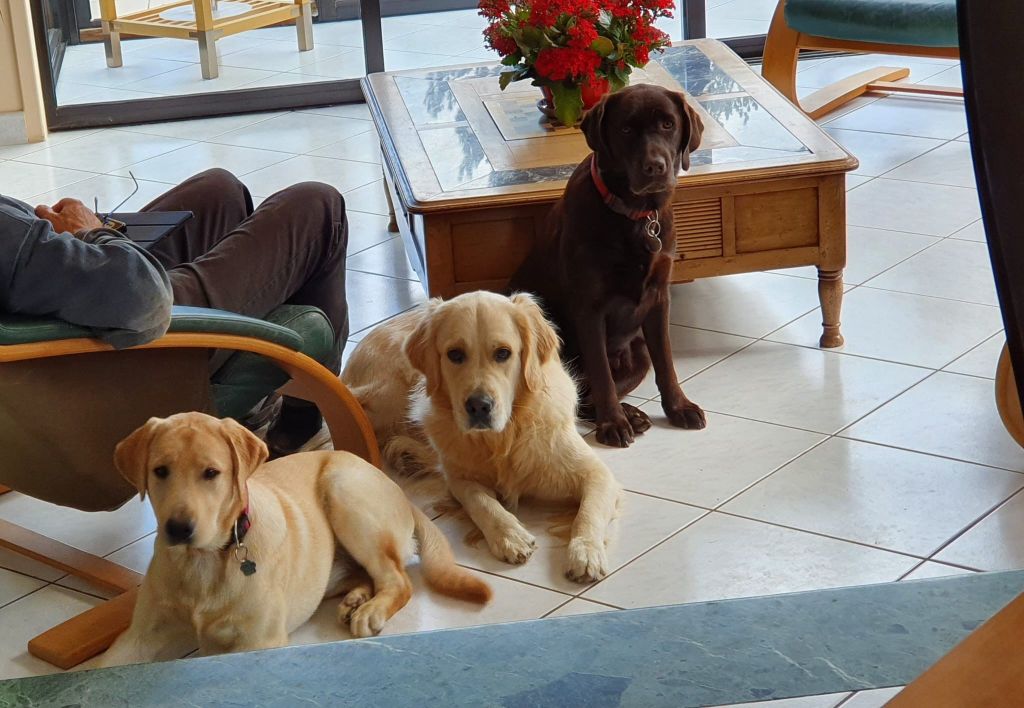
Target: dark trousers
(232, 257)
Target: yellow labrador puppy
(479, 378)
(246, 551)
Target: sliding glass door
(259, 61)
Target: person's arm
(96, 279)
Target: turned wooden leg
(830, 294)
(393, 223)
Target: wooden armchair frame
(91, 632)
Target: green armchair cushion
(20, 329)
(918, 23)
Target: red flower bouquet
(576, 50)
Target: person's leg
(219, 203)
(290, 250)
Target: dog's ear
(540, 342)
(419, 348)
(248, 452)
(593, 126)
(131, 455)
(692, 129)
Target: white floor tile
(703, 467)
(948, 415)
(993, 544)
(294, 132)
(177, 166)
(829, 700)
(30, 616)
(93, 70)
(22, 180)
(760, 10)
(925, 117)
(370, 199)
(350, 64)
(366, 230)
(931, 209)
(362, 148)
(201, 128)
(428, 611)
(642, 523)
(800, 387)
(955, 269)
(343, 175)
(872, 699)
(453, 40)
(693, 350)
(105, 151)
(110, 190)
(950, 77)
(974, 232)
(841, 67)
(879, 152)
(909, 329)
(189, 80)
(722, 557)
(879, 496)
(398, 60)
(280, 56)
(374, 298)
(950, 164)
(931, 569)
(749, 305)
(853, 181)
(579, 606)
(15, 585)
(982, 360)
(387, 258)
(99, 532)
(342, 110)
(10, 152)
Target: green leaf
(506, 78)
(533, 37)
(603, 46)
(568, 103)
(511, 59)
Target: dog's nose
(179, 531)
(655, 166)
(478, 407)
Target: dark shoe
(296, 424)
(263, 413)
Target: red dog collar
(613, 202)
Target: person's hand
(69, 215)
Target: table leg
(208, 55)
(112, 45)
(830, 294)
(304, 26)
(393, 222)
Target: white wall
(21, 102)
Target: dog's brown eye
(502, 354)
(668, 125)
(456, 356)
(210, 473)
(161, 472)
(626, 129)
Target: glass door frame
(329, 92)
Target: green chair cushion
(19, 329)
(246, 378)
(918, 23)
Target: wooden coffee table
(471, 172)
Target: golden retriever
(246, 551)
(479, 378)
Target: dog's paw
(514, 545)
(639, 421)
(616, 432)
(588, 561)
(687, 415)
(368, 619)
(352, 601)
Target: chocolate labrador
(602, 268)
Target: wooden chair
(66, 399)
(925, 29)
(203, 26)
